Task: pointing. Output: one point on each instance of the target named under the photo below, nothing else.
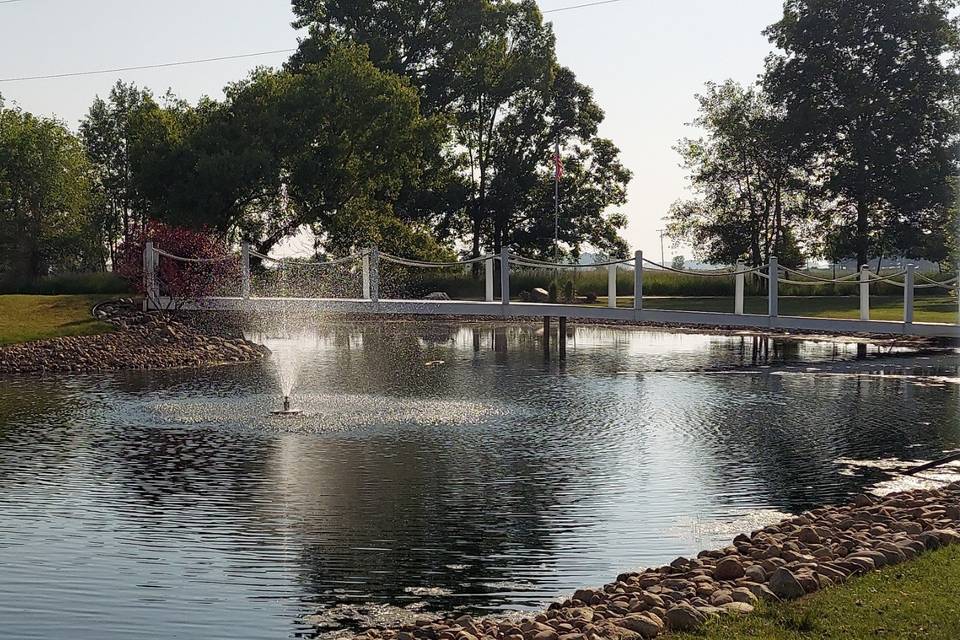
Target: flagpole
(556, 206)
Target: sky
(645, 60)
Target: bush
(69, 284)
(180, 280)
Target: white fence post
(488, 275)
(908, 294)
(738, 289)
(149, 275)
(505, 276)
(245, 270)
(773, 294)
(366, 275)
(374, 274)
(864, 292)
(638, 280)
(612, 286)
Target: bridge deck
(531, 310)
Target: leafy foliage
(871, 88)
(752, 190)
(46, 204)
(179, 279)
(489, 68)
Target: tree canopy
(871, 90)
(47, 213)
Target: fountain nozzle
(286, 410)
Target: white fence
(370, 260)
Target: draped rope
(184, 259)
(407, 262)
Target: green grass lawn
(28, 317)
(917, 599)
(926, 308)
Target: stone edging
(141, 341)
(785, 561)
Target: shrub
(181, 280)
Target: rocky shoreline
(795, 557)
(141, 341)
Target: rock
(743, 594)
(436, 295)
(785, 585)
(947, 536)
(738, 608)
(721, 597)
(646, 626)
(863, 500)
(539, 295)
(729, 568)
(683, 617)
(808, 535)
(756, 573)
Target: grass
(913, 600)
(926, 308)
(26, 317)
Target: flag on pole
(557, 163)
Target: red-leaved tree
(210, 268)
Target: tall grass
(67, 284)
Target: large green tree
(327, 147)
(107, 133)
(871, 89)
(46, 213)
(489, 67)
(752, 192)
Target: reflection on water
(434, 468)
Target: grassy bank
(926, 309)
(26, 317)
(913, 600)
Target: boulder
(645, 625)
(729, 568)
(683, 617)
(785, 585)
(539, 295)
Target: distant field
(27, 317)
(926, 308)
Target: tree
(871, 88)
(752, 190)
(677, 263)
(327, 147)
(107, 133)
(45, 198)
(490, 67)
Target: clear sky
(645, 60)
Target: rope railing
(707, 274)
(543, 264)
(496, 267)
(931, 283)
(408, 262)
(310, 263)
(850, 278)
(196, 260)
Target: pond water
(436, 467)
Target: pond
(435, 468)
